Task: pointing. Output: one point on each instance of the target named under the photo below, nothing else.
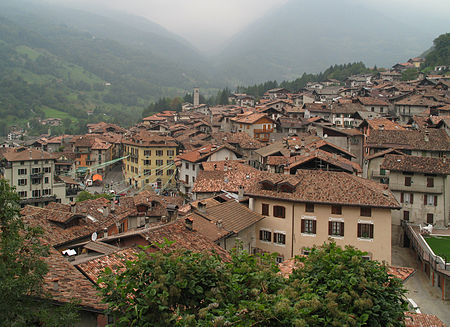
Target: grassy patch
(31, 53)
(440, 245)
(54, 113)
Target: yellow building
(150, 160)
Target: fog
(208, 24)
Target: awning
(97, 177)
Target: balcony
(37, 175)
(259, 130)
(379, 174)
(416, 188)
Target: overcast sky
(208, 23)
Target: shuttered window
(366, 211)
(336, 210)
(309, 226)
(365, 231)
(279, 238)
(265, 235)
(279, 211)
(335, 228)
(265, 209)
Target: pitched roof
(426, 165)
(383, 123)
(251, 118)
(204, 152)
(234, 216)
(207, 227)
(438, 139)
(326, 187)
(333, 159)
(27, 154)
(371, 101)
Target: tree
(22, 269)
(85, 195)
(410, 74)
(334, 287)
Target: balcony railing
(37, 175)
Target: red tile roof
(425, 165)
(325, 187)
(422, 320)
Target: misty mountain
(308, 36)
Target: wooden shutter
(371, 230)
(303, 225)
(435, 200)
(260, 234)
(401, 197)
(314, 226)
(425, 199)
(330, 227)
(342, 229)
(411, 197)
(359, 230)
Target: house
(372, 165)
(326, 94)
(302, 98)
(422, 186)
(426, 142)
(317, 110)
(313, 206)
(227, 224)
(92, 152)
(342, 114)
(277, 93)
(374, 105)
(150, 160)
(414, 105)
(102, 128)
(257, 125)
(417, 62)
(291, 126)
(32, 173)
(191, 163)
(243, 143)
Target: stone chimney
(189, 223)
(219, 223)
(241, 192)
(444, 158)
(201, 207)
(72, 207)
(105, 211)
(427, 136)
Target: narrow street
(427, 297)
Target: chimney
(444, 158)
(219, 223)
(427, 136)
(31, 156)
(381, 127)
(105, 211)
(241, 192)
(72, 207)
(189, 223)
(113, 205)
(251, 204)
(105, 232)
(201, 207)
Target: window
(365, 231)
(170, 172)
(47, 170)
(170, 162)
(147, 172)
(186, 165)
(407, 198)
(430, 218)
(279, 259)
(336, 210)
(47, 192)
(36, 162)
(186, 179)
(170, 153)
(265, 235)
(406, 215)
(430, 182)
(35, 181)
(159, 172)
(366, 212)
(148, 162)
(46, 180)
(309, 226)
(279, 211)
(309, 207)
(22, 182)
(22, 172)
(23, 194)
(122, 227)
(335, 228)
(159, 162)
(35, 170)
(193, 179)
(279, 238)
(147, 153)
(36, 193)
(407, 181)
(265, 209)
(430, 200)
(306, 251)
(159, 153)
(22, 163)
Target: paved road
(427, 297)
(114, 179)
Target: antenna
(94, 236)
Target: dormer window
(286, 187)
(267, 185)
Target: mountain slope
(308, 36)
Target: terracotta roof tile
(426, 165)
(422, 320)
(326, 187)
